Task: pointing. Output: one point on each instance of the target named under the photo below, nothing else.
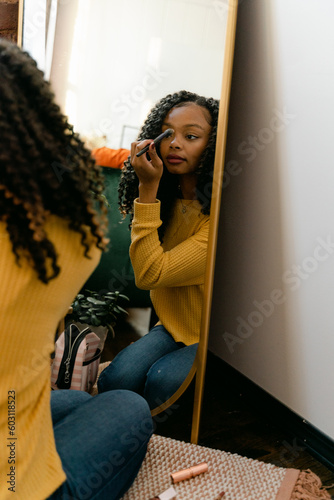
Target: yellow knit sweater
(174, 270)
(29, 313)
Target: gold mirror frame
(217, 185)
(20, 23)
(199, 366)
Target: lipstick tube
(190, 472)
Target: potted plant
(97, 310)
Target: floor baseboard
(318, 444)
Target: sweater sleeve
(183, 265)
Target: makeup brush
(156, 141)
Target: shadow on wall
(249, 311)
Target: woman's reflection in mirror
(167, 191)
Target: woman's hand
(149, 172)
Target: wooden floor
(229, 421)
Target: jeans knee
(157, 389)
(138, 403)
(64, 396)
(130, 408)
(143, 414)
(136, 419)
(118, 377)
(109, 379)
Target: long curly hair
(168, 187)
(44, 166)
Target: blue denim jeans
(154, 366)
(101, 441)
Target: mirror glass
(109, 62)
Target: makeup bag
(77, 358)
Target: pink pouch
(77, 359)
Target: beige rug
(239, 477)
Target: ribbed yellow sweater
(29, 314)
(174, 270)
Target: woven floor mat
(239, 477)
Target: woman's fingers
(147, 169)
(152, 151)
(137, 146)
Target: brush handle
(156, 141)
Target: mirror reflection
(112, 64)
(164, 189)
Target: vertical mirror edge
(20, 23)
(201, 356)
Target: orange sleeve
(107, 157)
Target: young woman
(51, 238)
(168, 191)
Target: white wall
(34, 30)
(275, 258)
(114, 59)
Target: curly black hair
(168, 187)
(44, 166)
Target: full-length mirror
(109, 63)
